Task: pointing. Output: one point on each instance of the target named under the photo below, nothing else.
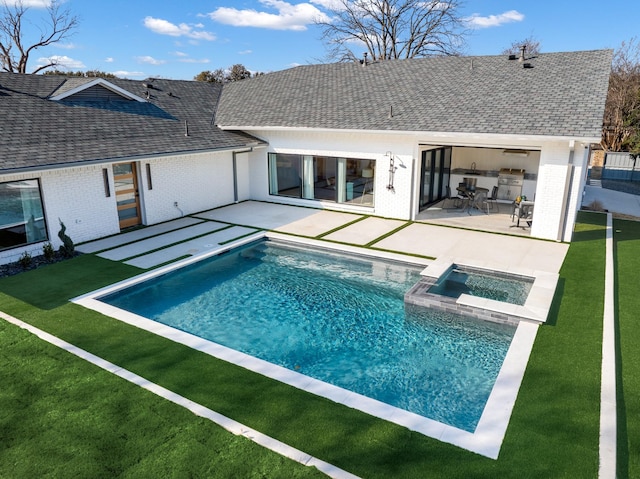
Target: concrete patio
(497, 251)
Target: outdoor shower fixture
(392, 171)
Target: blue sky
(173, 39)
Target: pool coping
(489, 433)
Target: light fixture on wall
(515, 152)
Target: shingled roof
(39, 132)
(556, 94)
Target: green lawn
(627, 247)
(126, 431)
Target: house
(421, 125)
(104, 155)
(382, 138)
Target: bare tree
(621, 128)
(15, 49)
(390, 29)
(531, 44)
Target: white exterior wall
(77, 195)
(395, 203)
(196, 182)
(244, 175)
(581, 165)
(553, 183)
(553, 192)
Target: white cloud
(109, 60)
(287, 16)
(150, 60)
(180, 54)
(478, 21)
(28, 3)
(329, 4)
(66, 46)
(163, 27)
(245, 52)
(194, 60)
(128, 74)
(62, 62)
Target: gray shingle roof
(36, 132)
(562, 94)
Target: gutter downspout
(235, 172)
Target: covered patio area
(498, 220)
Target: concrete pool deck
(506, 253)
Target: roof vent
(364, 61)
(513, 57)
(527, 65)
(523, 48)
(148, 86)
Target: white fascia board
(461, 138)
(104, 83)
(128, 159)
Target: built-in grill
(510, 183)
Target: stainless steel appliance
(510, 183)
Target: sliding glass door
(435, 171)
(322, 178)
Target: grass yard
(91, 424)
(627, 248)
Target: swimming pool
(340, 319)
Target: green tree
(236, 72)
(215, 76)
(390, 29)
(87, 74)
(15, 49)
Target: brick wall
(551, 188)
(77, 196)
(196, 182)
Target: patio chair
(492, 200)
(479, 199)
(457, 199)
(522, 212)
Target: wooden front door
(126, 185)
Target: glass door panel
(127, 196)
(435, 167)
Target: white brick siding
(196, 182)
(77, 196)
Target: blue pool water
(337, 318)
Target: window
(21, 214)
(322, 178)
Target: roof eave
(519, 136)
(124, 159)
